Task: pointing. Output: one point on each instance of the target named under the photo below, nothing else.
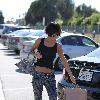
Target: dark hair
(53, 28)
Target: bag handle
(28, 55)
(34, 58)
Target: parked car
(15, 37)
(73, 45)
(26, 47)
(86, 70)
(35, 34)
(5, 27)
(9, 29)
(16, 41)
(32, 36)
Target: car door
(75, 45)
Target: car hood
(87, 59)
(33, 36)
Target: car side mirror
(10, 31)
(97, 45)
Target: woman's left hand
(73, 79)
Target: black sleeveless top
(48, 55)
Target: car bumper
(13, 47)
(92, 93)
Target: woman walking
(44, 71)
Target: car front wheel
(58, 66)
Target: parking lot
(16, 83)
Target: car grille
(84, 64)
(92, 67)
(96, 95)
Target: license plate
(85, 75)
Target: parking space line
(2, 97)
(25, 88)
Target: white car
(86, 70)
(74, 45)
(92, 57)
(15, 42)
(26, 47)
(9, 28)
(34, 34)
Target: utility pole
(43, 21)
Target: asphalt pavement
(1, 88)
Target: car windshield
(23, 33)
(95, 53)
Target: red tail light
(19, 39)
(23, 46)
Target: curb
(1, 92)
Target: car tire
(17, 52)
(4, 43)
(58, 66)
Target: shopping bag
(26, 65)
(75, 93)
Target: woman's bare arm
(36, 44)
(65, 62)
(34, 47)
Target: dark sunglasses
(54, 35)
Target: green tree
(65, 8)
(50, 9)
(40, 9)
(76, 20)
(1, 18)
(83, 10)
(28, 18)
(92, 20)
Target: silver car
(16, 37)
(16, 41)
(9, 29)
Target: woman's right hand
(38, 55)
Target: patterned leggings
(48, 80)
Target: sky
(93, 3)
(14, 9)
